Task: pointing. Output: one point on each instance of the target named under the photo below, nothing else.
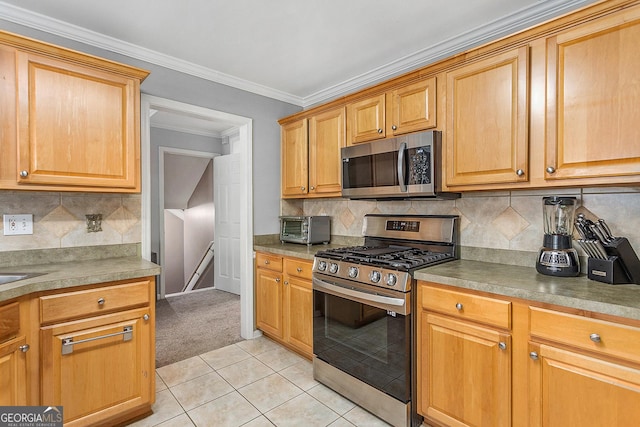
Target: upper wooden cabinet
(406, 109)
(326, 138)
(295, 159)
(70, 121)
(365, 120)
(486, 138)
(593, 93)
(311, 164)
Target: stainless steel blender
(557, 256)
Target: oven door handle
(365, 296)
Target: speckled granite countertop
(526, 283)
(294, 250)
(74, 273)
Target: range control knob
(333, 268)
(375, 276)
(392, 279)
(322, 265)
(353, 272)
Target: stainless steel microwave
(305, 229)
(406, 166)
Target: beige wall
(496, 220)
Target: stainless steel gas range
(363, 328)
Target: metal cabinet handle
(550, 169)
(100, 301)
(502, 345)
(299, 270)
(67, 343)
(520, 172)
(459, 307)
(302, 188)
(394, 127)
(145, 317)
(595, 337)
(277, 280)
(533, 355)
(379, 130)
(24, 348)
(286, 282)
(24, 173)
(266, 261)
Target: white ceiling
(302, 52)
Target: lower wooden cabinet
(465, 367)
(99, 367)
(284, 301)
(583, 372)
(97, 352)
(13, 359)
(486, 361)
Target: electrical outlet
(14, 224)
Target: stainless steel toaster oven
(306, 229)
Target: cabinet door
(593, 92)
(366, 120)
(13, 372)
(106, 371)
(571, 389)
(487, 118)
(295, 159)
(326, 138)
(269, 315)
(298, 314)
(77, 126)
(466, 373)
(413, 108)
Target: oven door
(366, 335)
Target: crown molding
(509, 24)
(493, 30)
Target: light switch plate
(14, 224)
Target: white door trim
(161, 154)
(245, 144)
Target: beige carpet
(195, 323)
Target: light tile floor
(253, 383)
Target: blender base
(562, 263)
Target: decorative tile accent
(347, 218)
(509, 223)
(60, 221)
(122, 220)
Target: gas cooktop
(395, 257)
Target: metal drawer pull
(459, 307)
(100, 301)
(533, 355)
(594, 337)
(299, 270)
(67, 343)
(24, 348)
(502, 345)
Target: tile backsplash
(59, 219)
(492, 220)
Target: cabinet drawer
(462, 305)
(297, 267)
(600, 336)
(9, 321)
(91, 302)
(269, 261)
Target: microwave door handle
(401, 152)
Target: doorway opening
(241, 141)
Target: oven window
(365, 342)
